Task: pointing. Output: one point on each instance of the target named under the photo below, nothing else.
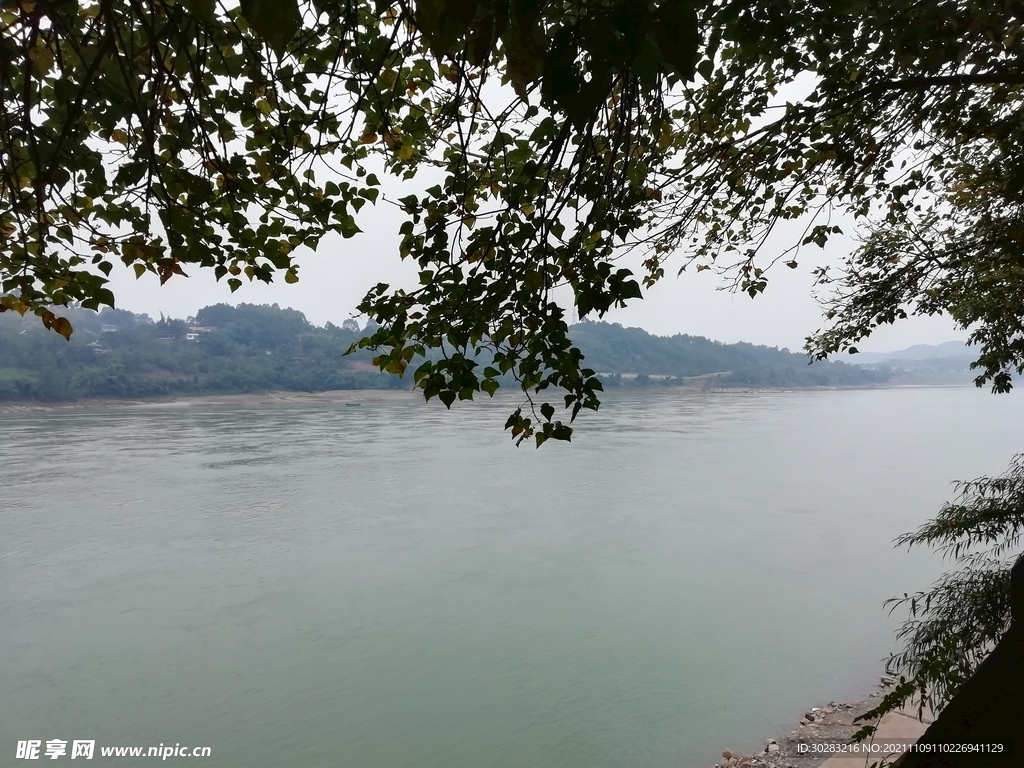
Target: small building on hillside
(195, 331)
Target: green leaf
(276, 21)
(62, 326)
(42, 59)
(523, 63)
(481, 39)
(631, 290)
(562, 432)
(678, 37)
(204, 9)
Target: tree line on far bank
(653, 360)
(119, 354)
(254, 348)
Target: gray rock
(773, 747)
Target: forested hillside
(612, 349)
(252, 348)
(247, 348)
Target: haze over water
(395, 586)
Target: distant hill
(223, 350)
(624, 354)
(916, 352)
(927, 364)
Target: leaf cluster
(905, 118)
(161, 135)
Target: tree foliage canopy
(910, 123)
(172, 134)
(167, 134)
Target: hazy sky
(333, 280)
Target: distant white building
(195, 331)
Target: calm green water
(395, 586)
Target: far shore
(248, 399)
(354, 396)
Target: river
(397, 586)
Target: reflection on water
(395, 585)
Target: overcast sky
(333, 280)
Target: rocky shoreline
(833, 722)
